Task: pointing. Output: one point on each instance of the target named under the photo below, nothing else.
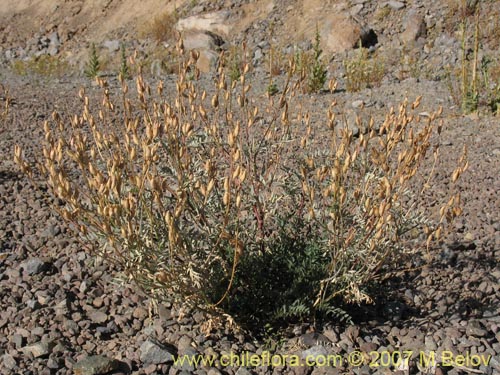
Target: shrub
(124, 71)
(362, 72)
(236, 206)
(317, 73)
(43, 66)
(161, 28)
(475, 82)
(5, 107)
(93, 65)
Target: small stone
(39, 349)
(313, 339)
(331, 335)
(97, 316)
(155, 353)
(111, 45)
(430, 343)
(33, 266)
(95, 365)
(475, 329)
(184, 343)
(314, 352)
(358, 104)
(98, 302)
(396, 5)
(214, 371)
(243, 371)
(469, 236)
(17, 340)
(53, 363)
(368, 347)
(151, 369)
(33, 304)
(140, 313)
(8, 361)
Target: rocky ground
(65, 312)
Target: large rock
(414, 27)
(341, 32)
(216, 22)
(204, 33)
(201, 40)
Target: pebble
(33, 266)
(39, 349)
(95, 365)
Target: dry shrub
(362, 71)
(5, 102)
(224, 202)
(161, 28)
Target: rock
(39, 349)
(317, 351)
(111, 45)
(18, 340)
(201, 40)
(474, 328)
(184, 343)
(216, 22)
(331, 334)
(95, 365)
(33, 266)
(396, 5)
(52, 50)
(33, 304)
(258, 55)
(155, 353)
(8, 361)
(243, 371)
(358, 104)
(341, 32)
(414, 27)
(97, 316)
(313, 339)
(207, 61)
(430, 343)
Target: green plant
(205, 199)
(382, 13)
(318, 72)
(235, 62)
(93, 66)
(124, 71)
(362, 72)
(43, 66)
(272, 89)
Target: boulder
(342, 32)
(414, 27)
(215, 22)
(200, 40)
(207, 61)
